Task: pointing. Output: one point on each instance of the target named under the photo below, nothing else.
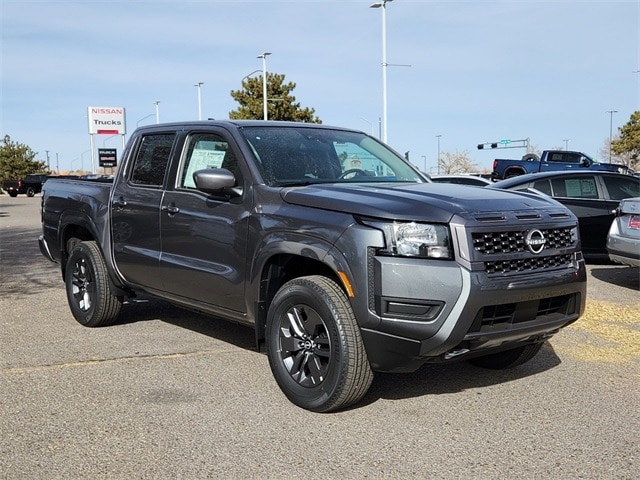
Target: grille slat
(528, 264)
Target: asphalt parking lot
(167, 393)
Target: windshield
(289, 155)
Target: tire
(530, 157)
(508, 358)
(314, 345)
(30, 192)
(13, 194)
(88, 289)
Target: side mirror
(216, 181)
(584, 162)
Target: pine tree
(281, 104)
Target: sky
(459, 73)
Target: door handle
(171, 209)
(120, 203)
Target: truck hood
(430, 202)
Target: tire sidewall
(82, 251)
(295, 293)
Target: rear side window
(152, 159)
(543, 186)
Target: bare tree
(458, 162)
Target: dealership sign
(106, 121)
(107, 157)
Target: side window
(582, 187)
(206, 150)
(572, 158)
(555, 157)
(543, 186)
(622, 187)
(151, 161)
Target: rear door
(583, 195)
(135, 210)
(204, 237)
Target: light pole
(198, 86)
(138, 122)
(383, 5)
(425, 163)
(438, 137)
(566, 144)
(82, 159)
(157, 103)
(263, 56)
(610, 112)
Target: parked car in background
(623, 241)
(29, 185)
(592, 196)
(462, 179)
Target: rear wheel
(314, 345)
(508, 358)
(88, 289)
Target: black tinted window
(622, 187)
(152, 159)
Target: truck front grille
(491, 243)
(528, 264)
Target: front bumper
(44, 248)
(437, 311)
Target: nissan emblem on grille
(535, 241)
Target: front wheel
(314, 345)
(30, 192)
(509, 358)
(88, 289)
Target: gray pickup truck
(342, 256)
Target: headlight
(411, 239)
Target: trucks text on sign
(107, 121)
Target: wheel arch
(514, 172)
(277, 270)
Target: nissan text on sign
(106, 121)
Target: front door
(204, 237)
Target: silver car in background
(623, 240)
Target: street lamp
(142, 119)
(438, 137)
(198, 86)
(383, 5)
(264, 83)
(157, 103)
(611, 112)
(566, 144)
